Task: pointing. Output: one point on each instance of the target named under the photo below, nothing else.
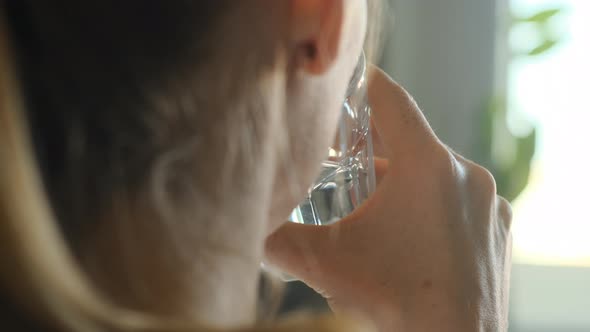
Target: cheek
(313, 128)
(318, 117)
(314, 106)
(312, 119)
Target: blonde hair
(39, 274)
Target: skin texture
(203, 262)
(314, 93)
(429, 251)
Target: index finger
(403, 129)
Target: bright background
(552, 224)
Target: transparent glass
(348, 174)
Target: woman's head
(115, 88)
(163, 128)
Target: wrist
(440, 316)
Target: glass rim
(358, 75)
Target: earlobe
(317, 27)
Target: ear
(316, 27)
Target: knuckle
(483, 179)
(453, 169)
(444, 159)
(444, 166)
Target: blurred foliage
(539, 17)
(541, 23)
(543, 47)
(506, 155)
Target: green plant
(506, 155)
(541, 22)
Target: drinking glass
(348, 174)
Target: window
(551, 276)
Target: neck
(172, 270)
(199, 259)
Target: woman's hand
(429, 251)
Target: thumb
(300, 250)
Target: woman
(143, 145)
